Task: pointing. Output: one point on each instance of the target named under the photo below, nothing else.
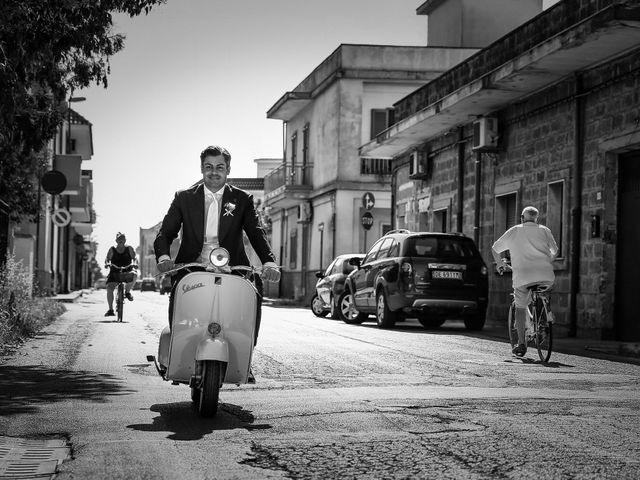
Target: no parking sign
(61, 217)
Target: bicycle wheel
(511, 325)
(120, 301)
(543, 331)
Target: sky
(200, 72)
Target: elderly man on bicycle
(532, 249)
(121, 255)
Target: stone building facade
(549, 115)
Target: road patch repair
(26, 458)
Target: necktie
(212, 221)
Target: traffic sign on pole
(54, 182)
(61, 217)
(367, 220)
(368, 201)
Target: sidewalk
(70, 297)
(627, 352)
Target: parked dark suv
(431, 276)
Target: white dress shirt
(212, 202)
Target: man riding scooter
(214, 214)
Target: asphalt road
(331, 401)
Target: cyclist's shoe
(251, 378)
(110, 313)
(128, 296)
(520, 350)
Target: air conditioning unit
(418, 164)
(485, 133)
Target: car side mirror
(355, 261)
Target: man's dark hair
(215, 151)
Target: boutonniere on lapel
(229, 207)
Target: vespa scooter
(212, 335)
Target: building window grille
(375, 166)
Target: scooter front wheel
(212, 371)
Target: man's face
(214, 172)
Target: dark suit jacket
(237, 214)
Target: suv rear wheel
(475, 321)
(385, 318)
(347, 311)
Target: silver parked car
(330, 285)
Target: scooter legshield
(202, 298)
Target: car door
(323, 285)
(378, 265)
(361, 278)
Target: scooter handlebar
(226, 269)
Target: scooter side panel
(202, 297)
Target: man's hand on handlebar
(165, 265)
(270, 272)
(503, 267)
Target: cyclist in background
(121, 255)
(532, 249)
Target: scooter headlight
(219, 257)
(214, 329)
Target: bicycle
(123, 275)
(539, 322)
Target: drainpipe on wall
(460, 179)
(333, 225)
(476, 213)
(576, 210)
(394, 184)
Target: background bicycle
(123, 276)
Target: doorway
(627, 325)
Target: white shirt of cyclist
(212, 201)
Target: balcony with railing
(287, 185)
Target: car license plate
(447, 274)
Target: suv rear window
(439, 247)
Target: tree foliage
(48, 49)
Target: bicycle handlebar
(131, 265)
(503, 267)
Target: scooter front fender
(212, 349)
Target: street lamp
(65, 287)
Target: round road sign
(367, 220)
(368, 201)
(61, 217)
(54, 182)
